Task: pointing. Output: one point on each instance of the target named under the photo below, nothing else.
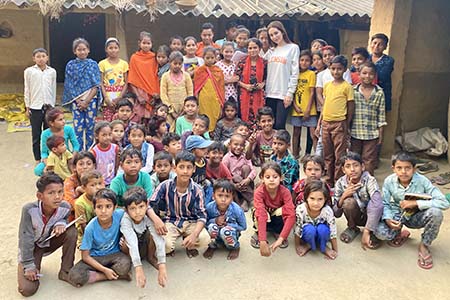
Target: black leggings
(279, 111)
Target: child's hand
(58, 230)
(189, 241)
(27, 112)
(264, 249)
(349, 191)
(162, 275)
(110, 274)
(317, 131)
(306, 115)
(277, 244)
(287, 101)
(297, 108)
(140, 277)
(252, 138)
(32, 274)
(79, 190)
(409, 204)
(220, 221)
(160, 227)
(330, 253)
(394, 225)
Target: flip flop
(400, 239)
(442, 179)
(425, 262)
(429, 167)
(376, 243)
(349, 234)
(254, 241)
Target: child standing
(260, 148)
(314, 169)
(182, 200)
(242, 170)
(226, 125)
(242, 36)
(315, 224)
(39, 95)
(274, 211)
(82, 91)
(163, 163)
(101, 258)
(172, 143)
(126, 115)
(176, 43)
(162, 57)
(226, 220)
(91, 182)
(39, 220)
(59, 160)
(190, 112)
(143, 77)
(304, 113)
(358, 196)
(190, 60)
(139, 233)
(176, 85)
(137, 141)
(215, 169)
(228, 68)
(209, 87)
(199, 147)
(369, 119)
(114, 73)
(336, 118)
(105, 152)
(131, 164)
(207, 36)
(288, 164)
(415, 214)
(252, 72)
(360, 56)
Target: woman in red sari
(252, 80)
(143, 78)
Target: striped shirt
(179, 208)
(369, 114)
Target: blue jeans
(316, 236)
(226, 236)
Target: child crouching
(226, 220)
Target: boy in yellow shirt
(336, 117)
(59, 160)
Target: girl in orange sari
(209, 87)
(143, 78)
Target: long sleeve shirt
(235, 163)
(179, 208)
(234, 216)
(133, 232)
(282, 71)
(394, 192)
(35, 228)
(289, 169)
(368, 198)
(39, 87)
(265, 205)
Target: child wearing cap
(199, 147)
(114, 73)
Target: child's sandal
(254, 241)
(425, 262)
(349, 234)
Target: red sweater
(221, 172)
(263, 202)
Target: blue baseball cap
(196, 142)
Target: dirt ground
(387, 273)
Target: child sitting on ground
(190, 111)
(419, 213)
(172, 143)
(125, 114)
(117, 132)
(137, 141)
(162, 171)
(274, 211)
(242, 169)
(314, 169)
(226, 220)
(136, 229)
(199, 147)
(288, 164)
(91, 181)
(156, 130)
(60, 159)
(48, 215)
(101, 258)
(316, 225)
(131, 162)
(199, 128)
(261, 140)
(215, 169)
(226, 125)
(241, 128)
(357, 195)
(188, 221)
(105, 152)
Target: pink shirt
(235, 163)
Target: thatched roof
(211, 8)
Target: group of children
(176, 158)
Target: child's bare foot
(171, 254)
(126, 277)
(192, 253)
(233, 254)
(209, 253)
(302, 249)
(330, 253)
